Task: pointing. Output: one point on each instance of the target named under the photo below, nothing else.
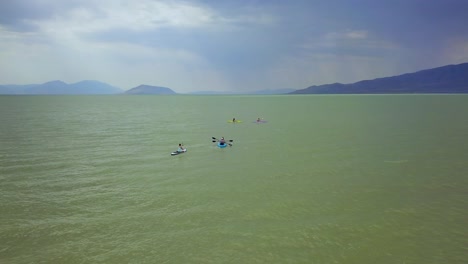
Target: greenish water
(328, 179)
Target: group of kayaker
(181, 147)
(221, 141)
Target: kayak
(237, 121)
(178, 152)
(222, 145)
(259, 122)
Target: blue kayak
(222, 145)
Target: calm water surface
(328, 179)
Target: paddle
(214, 140)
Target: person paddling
(233, 119)
(222, 141)
(180, 148)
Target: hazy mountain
(95, 87)
(148, 89)
(59, 87)
(14, 88)
(446, 79)
(53, 87)
(278, 91)
(212, 92)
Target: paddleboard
(178, 152)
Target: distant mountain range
(446, 79)
(59, 87)
(96, 87)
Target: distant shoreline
(450, 79)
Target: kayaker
(233, 119)
(258, 119)
(222, 141)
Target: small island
(148, 89)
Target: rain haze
(231, 45)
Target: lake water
(328, 179)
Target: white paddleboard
(178, 152)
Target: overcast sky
(222, 45)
